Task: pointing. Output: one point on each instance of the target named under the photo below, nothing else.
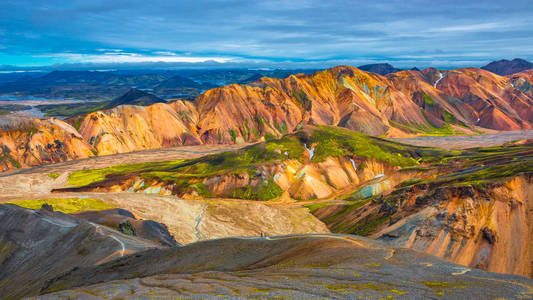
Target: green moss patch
(334, 141)
(66, 205)
(53, 175)
(427, 99)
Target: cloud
(122, 57)
(226, 31)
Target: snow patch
(353, 165)
(276, 177)
(310, 151)
(440, 78)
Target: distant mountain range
(501, 67)
(132, 97)
(102, 85)
(168, 84)
(135, 97)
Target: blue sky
(296, 33)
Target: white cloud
(470, 27)
(121, 57)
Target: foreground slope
(301, 266)
(36, 246)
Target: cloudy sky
(293, 33)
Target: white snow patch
(440, 78)
(310, 151)
(353, 165)
(276, 177)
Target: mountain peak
(135, 97)
(507, 67)
(381, 68)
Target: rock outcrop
(487, 228)
(125, 222)
(28, 142)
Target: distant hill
(14, 76)
(177, 82)
(382, 69)
(252, 78)
(80, 84)
(135, 97)
(506, 67)
(132, 97)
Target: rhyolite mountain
(405, 103)
(382, 69)
(508, 67)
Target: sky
(262, 34)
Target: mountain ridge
(401, 104)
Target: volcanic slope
(299, 266)
(313, 163)
(473, 208)
(462, 101)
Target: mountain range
(401, 104)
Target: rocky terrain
(59, 256)
(29, 142)
(473, 209)
(39, 245)
(301, 266)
